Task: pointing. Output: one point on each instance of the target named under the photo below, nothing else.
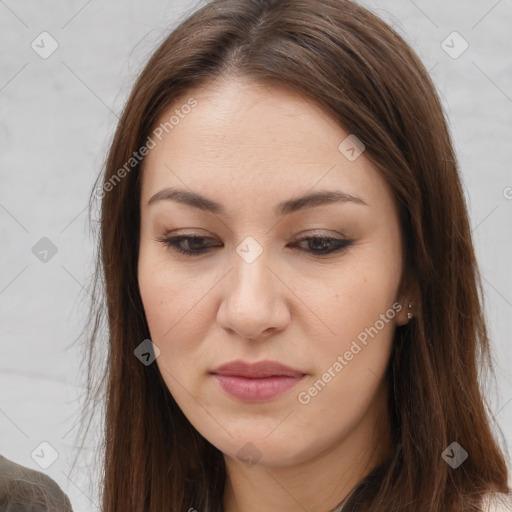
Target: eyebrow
(310, 200)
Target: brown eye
(324, 245)
(195, 244)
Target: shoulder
(25, 489)
(498, 503)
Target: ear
(407, 309)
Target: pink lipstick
(256, 382)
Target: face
(312, 285)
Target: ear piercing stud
(409, 315)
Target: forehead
(243, 139)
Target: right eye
(175, 243)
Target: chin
(259, 449)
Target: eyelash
(173, 243)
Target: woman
(294, 306)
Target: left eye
(322, 245)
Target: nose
(254, 301)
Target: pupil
(320, 243)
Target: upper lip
(256, 370)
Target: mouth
(256, 382)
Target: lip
(257, 370)
(256, 382)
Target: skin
(249, 147)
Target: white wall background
(57, 116)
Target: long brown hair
(369, 79)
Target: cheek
(355, 299)
(175, 306)
(350, 365)
(354, 358)
(168, 295)
(357, 309)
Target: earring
(409, 315)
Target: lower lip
(256, 390)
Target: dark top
(25, 490)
